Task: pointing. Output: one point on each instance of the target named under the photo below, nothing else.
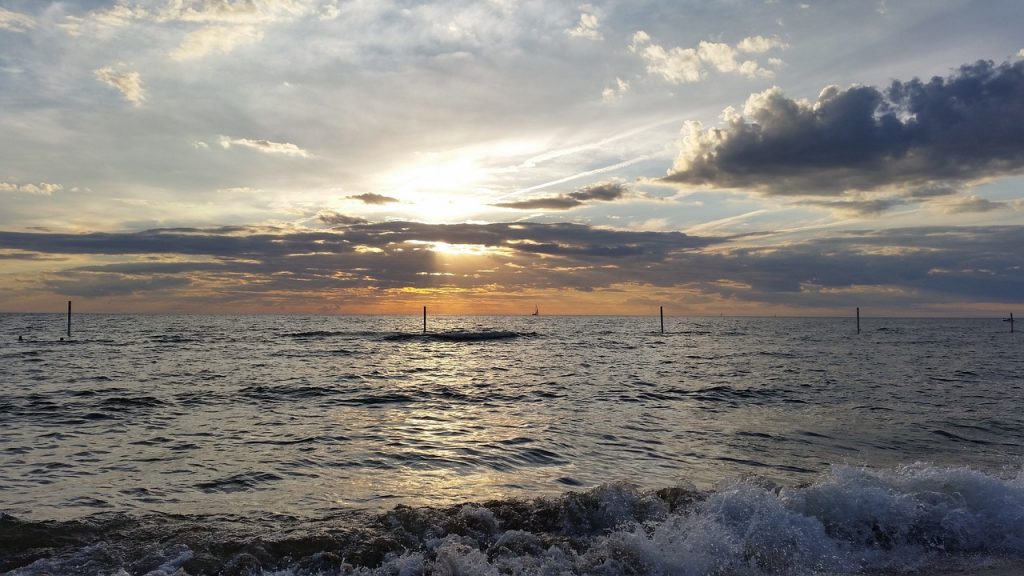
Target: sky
(485, 157)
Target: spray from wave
(852, 521)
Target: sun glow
(462, 249)
(448, 249)
(447, 186)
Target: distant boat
(536, 311)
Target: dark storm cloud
(913, 135)
(27, 256)
(175, 241)
(375, 199)
(100, 284)
(604, 192)
(384, 255)
(940, 263)
(188, 241)
(918, 264)
(336, 219)
(860, 207)
(549, 203)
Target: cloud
(913, 136)
(588, 26)
(30, 256)
(226, 24)
(220, 39)
(604, 192)
(336, 219)
(42, 189)
(226, 11)
(547, 203)
(391, 255)
(129, 84)
(933, 190)
(684, 65)
(970, 204)
(613, 93)
(678, 65)
(760, 44)
(900, 267)
(374, 199)
(15, 21)
(860, 206)
(265, 146)
(247, 243)
(116, 16)
(89, 284)
(330, 10)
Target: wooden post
(424, 319)
(661, 313)
(1011, 322)
(858, 319)
(69, 319)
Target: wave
(911, 519)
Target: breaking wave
(851, 521)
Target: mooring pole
(1011, 322)
(661, 313)
(424, 319)
(69, 319)
(858, 319)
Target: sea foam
(851, 521)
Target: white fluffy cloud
(225, 24)
(760, 44)
(588, 26)
(265, 146)
(15, 21)
(223, 11)
(613, 93)
(215, 39)
(128, 83)
(682, 65)
(42, 189)
(676, 65)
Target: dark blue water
(586, 445)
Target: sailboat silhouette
(536, 311)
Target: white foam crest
(609, 506)
(918, 506)
(852, 521)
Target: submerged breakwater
(304, 445)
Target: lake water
(509, 445)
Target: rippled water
(262, 424)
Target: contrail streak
(601, 170)
(531, 162)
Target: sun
(439, 175)
(439, 189)
(453, 185)
(462, 249)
